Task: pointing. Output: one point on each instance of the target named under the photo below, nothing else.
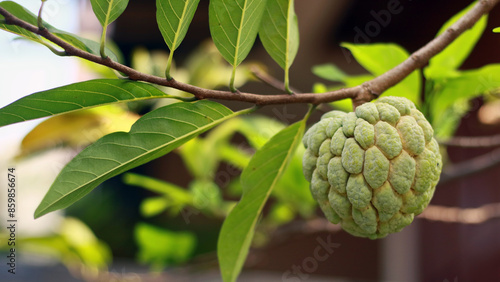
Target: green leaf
(468, 85)
(161, 247)
(293, 189)
(107, 11)
(85, 44)
(174, 17)
(329, 72)
(172, 191)
(234, 25)
(154, 206)
(258, 179)
(152, 136)
(76, 129)
(172, 197)
(75, 97)
(259, 129)
(497, 30)
(20, 12)
(207, 149)
(25, 15)
(457, 52)
(279, 33)
(380, 58)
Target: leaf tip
(39, 213)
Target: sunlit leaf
(154, 206)
(206, 195)
(258, 180)
(329, 72)
(152, 136)
(77, 96)
(259, 129)
(84, 243)
(293, 189)
(452, 57)
(161, 247)
(468, 85)
(497, 30)
(382, 57)
(77, 129)
(174, 192)
(234, 25)
(73, 244)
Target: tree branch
(473, 142)
(432, 213)
(468, 167)
(462, 215)
(359, 94)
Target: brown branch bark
(359, 94)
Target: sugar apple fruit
(375, 169)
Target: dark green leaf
(380, 58)
(152, 136)
(75, 97)
(455, 54)
(258, 179)
(107, 11)
(279, 32)
(234, 25)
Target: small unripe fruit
(375, 169)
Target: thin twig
(360, 94)
(432, 213)
(473, 142)
(468, 167)
(269, 80)
(461, 215)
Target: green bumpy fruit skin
(375, 169)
